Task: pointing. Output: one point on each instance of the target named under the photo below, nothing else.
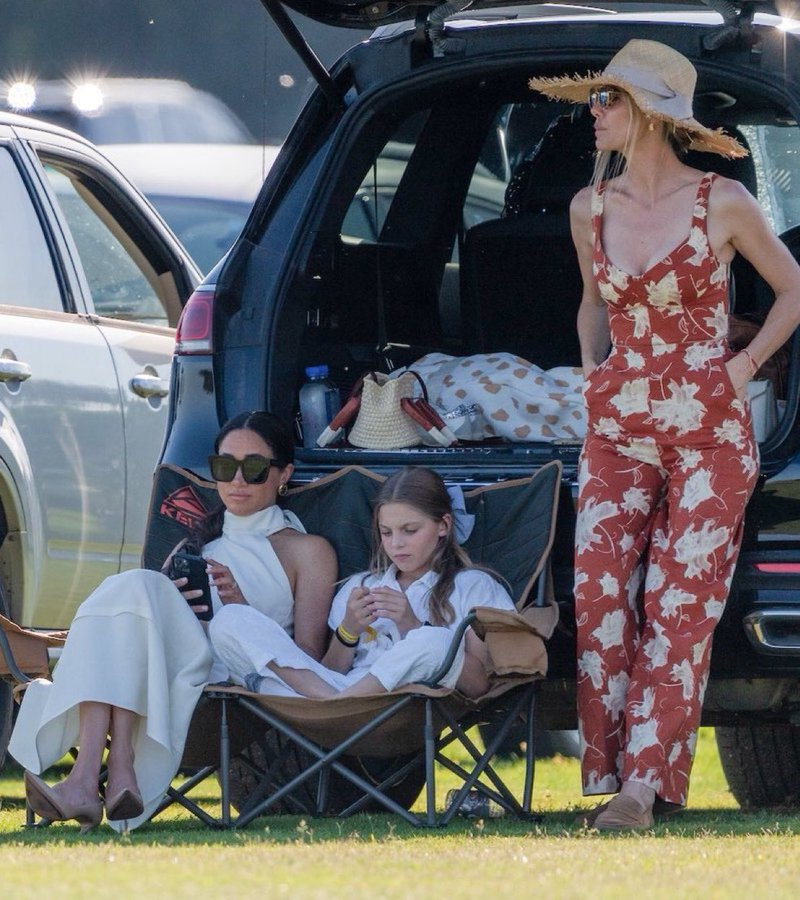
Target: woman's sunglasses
(603, 97)
(255, 468)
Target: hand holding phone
(193, 567)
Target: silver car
(92, 283)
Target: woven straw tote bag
(381, 423)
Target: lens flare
(87, 98)
(21, 96)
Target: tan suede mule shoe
(624, 814)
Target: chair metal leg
(225, 763)
(430, 770)
(324, 760)
(530, 754)
(501, 795)
(322, 790)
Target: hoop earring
(282, 489)
(651, 125)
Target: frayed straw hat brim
(645, 61)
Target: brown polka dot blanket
(502, 395)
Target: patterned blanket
(501, 395)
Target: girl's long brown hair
(425, 491)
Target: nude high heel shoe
(45, 802)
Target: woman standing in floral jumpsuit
(669, 460)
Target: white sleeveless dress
(136, 644)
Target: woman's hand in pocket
(740, 371)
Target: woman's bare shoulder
(581, 204)
(728, 194)
(299, 541)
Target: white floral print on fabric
(652, 577)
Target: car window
(367, 212)
(775, 152)
(121, 281)
(207, 228)
(27, 277)
(369, 208)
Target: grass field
(712, 849)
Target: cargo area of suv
(420, 206)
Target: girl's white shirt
(471, 588)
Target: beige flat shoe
(624, 814)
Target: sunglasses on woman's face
(255, 468)
(603, 98)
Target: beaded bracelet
(345, 637)
(753, 364)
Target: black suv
(420, 204)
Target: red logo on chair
(184, 506)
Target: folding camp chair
(411, 727)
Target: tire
(6, 697)
(761, 764)
(272, 749)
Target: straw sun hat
(661, 83)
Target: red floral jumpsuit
(667, 467)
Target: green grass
(712, 849)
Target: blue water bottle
(319, 403)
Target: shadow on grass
(184, 831)
(176, 828)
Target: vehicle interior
(430, 244)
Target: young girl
(392, 625)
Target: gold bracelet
(753, 364)
(345, 637)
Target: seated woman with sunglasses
(137, 657)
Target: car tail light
(194, 326)
(779, 568)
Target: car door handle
(14, 370)
(146, 385)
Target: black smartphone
(193, 567)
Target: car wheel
(6, 698)
(761, 764)
(273, 752)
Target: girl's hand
(387, 603)
(740, 371)
(358, 615)
(223, 580)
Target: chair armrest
(458, 634)
(10, 662)
(23, 652)
(515, 639)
